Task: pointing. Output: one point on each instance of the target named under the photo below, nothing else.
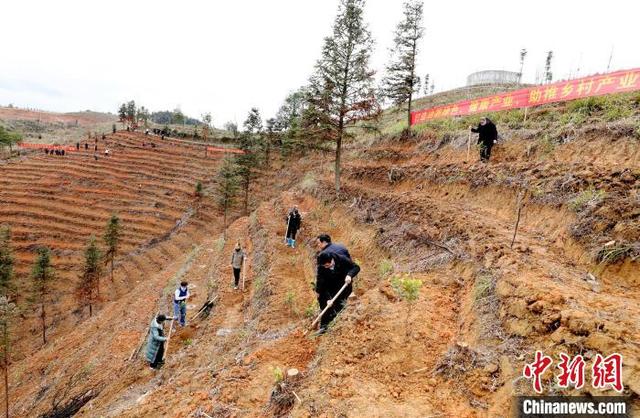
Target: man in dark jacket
(294, 221)
(326, 246)
(488, 135)
(334, 271)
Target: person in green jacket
(155, 342)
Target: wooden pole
(329, 305)
(525, 114)
(287, 230)
(515, 229)
(244, 258)
(469, 146)
(166, 348)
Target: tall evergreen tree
(6, 262)
(112, 240)
(401, 82)
(250, 141)
(341, 89)
(272, 129)
(42, 275)
(523, 54)
(548, 75)
(8, 311)
(89, 286)
(426, 85)
(226, 187)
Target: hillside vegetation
(413, 208)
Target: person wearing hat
(155, 342)
(487, 136)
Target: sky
(225, 57)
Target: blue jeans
(180, 311)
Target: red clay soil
(59, 201)
(483, 309)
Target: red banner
(597, 85)
(46, 146)
(231, 150)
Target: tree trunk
(90, 310)
(112, 257)
(224, 229)
(246, 197)
(338, 153)
(409, 113)
(6, 370)
(44, 327)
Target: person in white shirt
(180, 303)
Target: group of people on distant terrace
(335, 271)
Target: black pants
(291, 233)
(332, 312)
(157, 362)
(236, 275)
(485, 151)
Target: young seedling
(408, 289)
(289, 300)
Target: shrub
(587, 198)
(308, 183)
(199, 189)
(311, 310)
(614, 253)
(482, 288)
(385, 267)
(587, 106)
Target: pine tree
(341, 89)
(523, 54)
(271, 132)
(548, 75)
(7, 312)
(42, 274)
(89, 286)
(226, 187)
(426, 85)
(400, 82)
(6, 262)
(111, 239)
(250, 141)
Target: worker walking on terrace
(294, 221)
(180, 303)
(155, 342)
(324, 245)
(237, 260)
(334, 272)
(488, 135)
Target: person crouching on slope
(155, 342)
(180, 303)
(237, 258)
(324, 244)
(334, 271)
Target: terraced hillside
(415, 206)
(59, 201)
